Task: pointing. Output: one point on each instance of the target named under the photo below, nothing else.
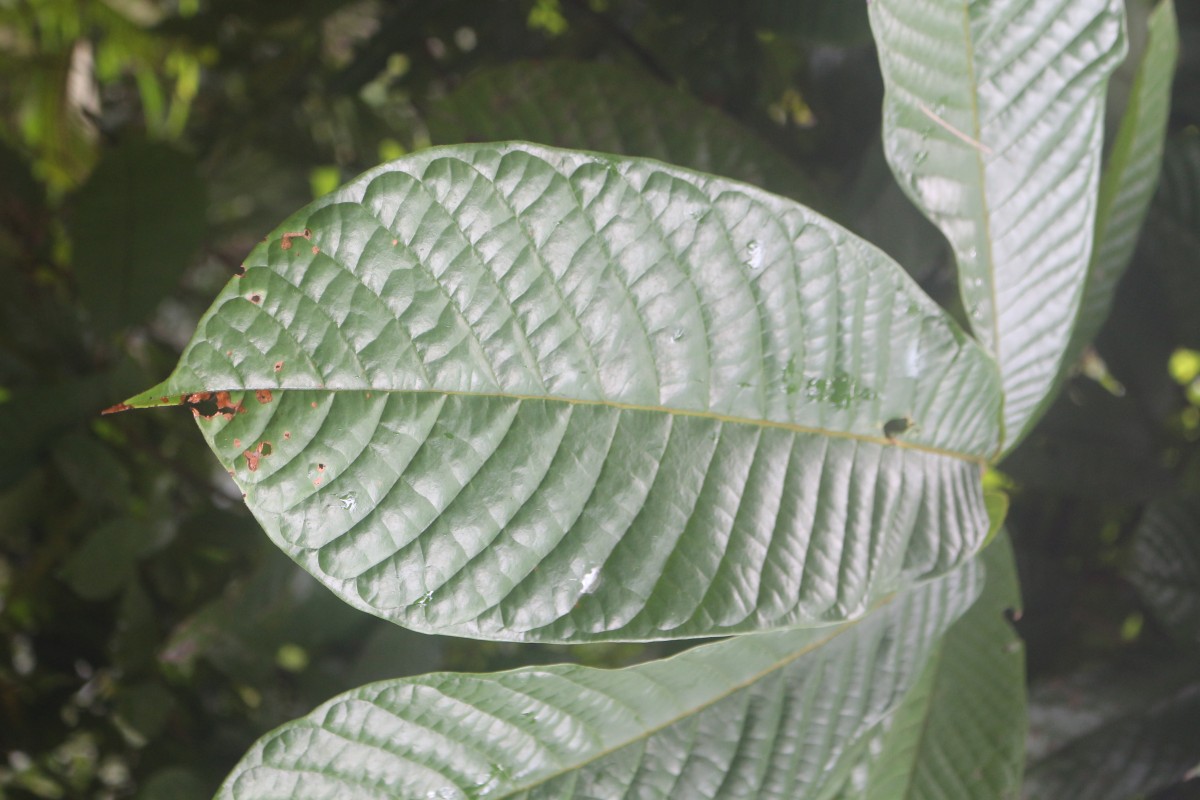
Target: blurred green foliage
(148, 630)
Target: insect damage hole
(206, 405)
(260, 452)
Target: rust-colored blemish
(316, 481)
(395, 242)
(314, 403)
(118, 408)
(164, 399)
(320, 467)
(263, 395)
(287, 434)
(208, 404)
(278, 366)
(256, 298)
(257, 454)
(316, 249)
(286, 243)
(237, 442)
(368, 395)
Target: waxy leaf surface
(960, 732)
(775, 715)
(993, 118)
(507, 391)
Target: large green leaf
(993, 118)
(515, 392)
(1131, 174)
(613, 109)
(960, 733)
(774, 715)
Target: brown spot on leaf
(316, 249)
(314, 403)
(286, 243)
(287, 434)
(320, 467)
(256, 298)
(118, 408)
(263, 395)
(316, 481)
(278, 366)
(395, 242)
(254, 456)
(237, 442)
(164, 399)
(240, 271)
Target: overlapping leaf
(775, 715)
(993, 120)
(1131, 174)
(514, 392)
(960, 733)
(613, 109)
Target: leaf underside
(960, 733)
(993, 118)
(506, 391)
(775, 715)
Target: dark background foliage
(148, 630)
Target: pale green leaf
(774, 715)
(515, 392)
(1131, 174)
(960, 733)
(993, 118)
